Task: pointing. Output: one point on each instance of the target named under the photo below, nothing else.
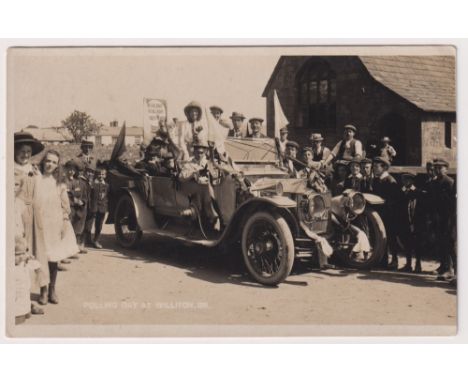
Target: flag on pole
(280, 119)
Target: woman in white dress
(55, 236)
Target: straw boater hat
(256, 119)
(193, 105)
(316, 137)
(27, 139)
(237, 115)
(215, 107)
(350, 127)
(385, 139)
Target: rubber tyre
(379, 245)
(287, 244)
(126, 202)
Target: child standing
(98, 203)
(88, 178)
(78, 194)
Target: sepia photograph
(231, 191)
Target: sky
(46, 85)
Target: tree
(80, 125)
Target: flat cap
(215, 107)
(292, 144)
(350, 127)
(256, 119)
(440, 162)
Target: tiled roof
(426, 81)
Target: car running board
(174, 236)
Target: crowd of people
(57, 204)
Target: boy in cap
(283, 140)
(237, 122)
(291, 150)
(387, 151)
(354, 180)
(412, 222)
(256, 126)
(78, 194)
(444, 197)
(348, 148)
(367, 175)
(385, 186)
(99, 202)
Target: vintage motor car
(274, 218)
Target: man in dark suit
(412, 220)
(444, 198)
(237, 122)
(385, 186)
(99, 203)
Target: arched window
(317, 96)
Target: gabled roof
(428, 82)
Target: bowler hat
(350, 127)
(382, 160)
(215, 107)
(237, 115)
(255, 119)
(316, 137)
(193, 105)
(28, 139)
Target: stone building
(411, 99)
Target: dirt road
(163, 284)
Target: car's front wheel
(125, 223)
(267, 248)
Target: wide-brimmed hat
(350, 127)
(382, 160)
(74, 165)
(441, 162)
(316, 137)
(237, 115)
(292, 144)
(193, 105)
(215, 107)
(28, 139)
(85, 142)
(385, 139)
(256, 119)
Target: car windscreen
(251, 149)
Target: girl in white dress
(55, 235)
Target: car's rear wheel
(125, 223)
(267, 248)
